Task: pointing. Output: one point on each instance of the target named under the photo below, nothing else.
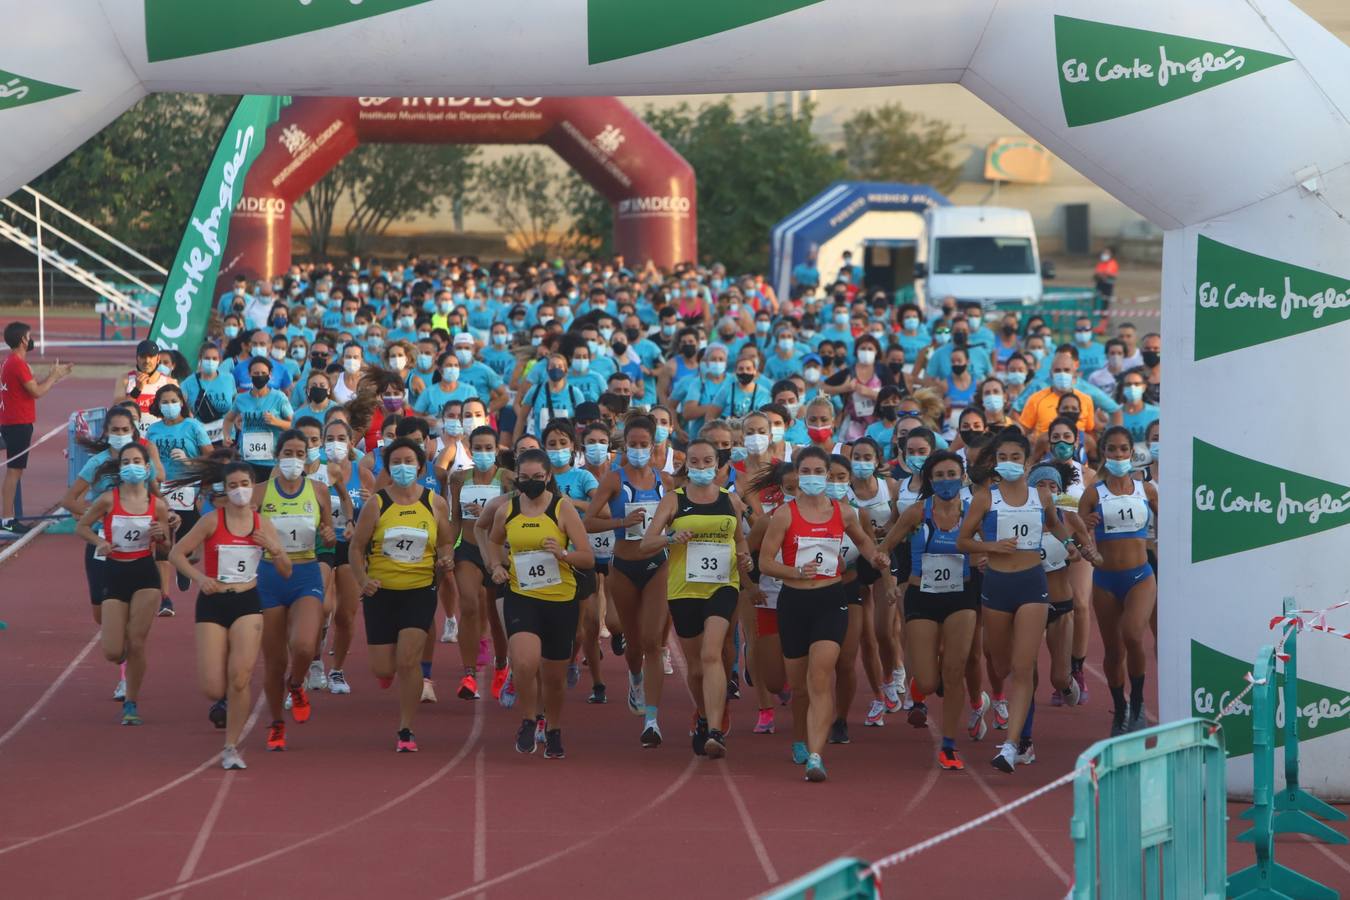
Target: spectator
(1042, 407)
(805, 275)
(151, 373)
(1107, 377)
(18, 412)
(1105, 276)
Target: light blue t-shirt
(483, 379)
(503, 362)
(737, 401)
(701, 390)
(1137, 422)
(1091, 357)
(576, 483)
(251, 410)
(940, 362)
(431, 401)
(188, 435)
(220, 392)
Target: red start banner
(650, 186)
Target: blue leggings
(1118, 584)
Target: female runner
(133, 519)
(316, 470)
(1011, 516)
(345, 498)
(229, 614)
(541, 605)
(402, 538)
(261, 415)
(599, 461)
(178, 437)
(1064, 447)
(872, 493)
(772, 488)
(1124, 589)
(1059, 634)
(812, 608)
(846, 667)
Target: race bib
(256, 446)
(864, 406)
(296, 532)
(236, 564)
(182, 499)
(942, 573)
(824, 552)
(1023, 525)
(98, 530)
(473, 497)
(130, 533)
(602, 544)
(848, 552)
(536, 569)
(1123, 514)
(880, 515)
(340, 519)
(771, 588)
(707, 562)
(214, 430)
(635, 532)
(1054, 555)
(404, 545)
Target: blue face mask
(1062, 381)
(560, 458)
(863, 469)
(638, 458)
(811, 485)
(1153, 450)
(739, 454)
(597, 454)
(581, 366)
(1015, 378)
(715, 368)
(1010, 471)
(947, 488)
(210, 366)
(257, 352)
(1062, 450)
(943, 337)
(915, 463)
(702, 476)
(403, 474)
(836, 490)
(662, 434)
(231, 331)
(668, 330)
(1133, 393)
(170, 410)
(484, 460)
(993, 402)
(1119, 467)
(134, 473)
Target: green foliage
(890, 143)
(528, 194)
(138, 178)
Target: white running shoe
(120, 692)
(604, 633)
(286, 704)
(977, 727)
(450, 631)
(900, 678)
(891, 695)
(876, 715)
(1028, 756)
(1072, 694)
(428, 691)
(1001, 714)
(230, 759)
(337, 683)
(665, 661)
(318, 678)
(637, 696)
(1006, 760)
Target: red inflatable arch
(650, 186)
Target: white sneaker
(318, 678)
(120, 692)
(1028, 756)
(1072, 694)
(891, 695)
(337, 683)
(286, 704)
(1006, 760)
(665, 661)
(637, 696)
(977, 727)
(428, 691)
(450, 631)
(604, 633)
(876, 715)
(900, 678)
(230, 759)
(1001, 714)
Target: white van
(981, 254)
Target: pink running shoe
(765, 723)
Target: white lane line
(51, 690)
(479, 817)
(1321, 848)
(1037, 847)
(761, 852)
(204, 833)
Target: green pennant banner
(1109, 71)
(1217, 678)
(16, 90)
(620, 28)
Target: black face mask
(1009, 330)
(958, 338)
(260, 380)
(973, 438)
(827, 360)
(959, 368)
(317, 394)
(620, 348)
(723, 456)
(532, 487)
(633, 334)
(689, 351)
(622, 404)
(890, 413)
(318, 360)
(745, 377)
(1151, 357)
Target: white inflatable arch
(1221, 121)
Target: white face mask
(867, 357)
(336, 450)
(397, 363)
(351, 365)
(240, 496)
(290, 467)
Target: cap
(147, 348)
(464, 339)
(812, 357)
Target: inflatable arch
(649, 185)
(1224, 122)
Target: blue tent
(833, 210)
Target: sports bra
(1122, 516)
(631, 493)
(814, 540)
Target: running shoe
(540, 730)
(130, 714)
(1026, 753)
(318, 678)
(499, 682)
(1001, 714)
(799, 753)
(300, 709)
(1082, 687)
(14, 527)
(597, 694)
(217, 713)
(950, 760)
(815, 770)
(765, 723)
(918, 715)
(525, 737)
(507, 697)
(838, 732)
(651, 735)
(120, 692)
(573, 674)
(604, 632)
(1057, 696)
(665, 661)
(890, 697)
(286, 704)
(716, 745)
(900, 678)
(337, 683)
(784, 696)
(230, 759)
(406, 743)
(1006, 760)
(733, 689)
(876, 715)
(484, 652)
(637, 696)
(698, 733)
(165, 608)
(977, 727)
(1073, 694)
(468, 688)
(1137, 723)
(428, 691)
(276, 735)
(450, 631)
(1118, 723)
(618, 643)
(553, 748)
(384, 681)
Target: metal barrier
(1149, 815)
(84, 423)
(842, 879)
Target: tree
(890, 143)
(528, 195)
(138, 178)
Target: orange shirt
(1040, 411)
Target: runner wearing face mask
(993, 399)
(1105, 379)
(888, 413)
(1136, 415)
(346, 495)
(820, 419)
(859, 385)
(259, 415)
(353, 365)
(1151, 355)
(599, 462)
(873, 495)
(1064, 448)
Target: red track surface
(94, 809)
